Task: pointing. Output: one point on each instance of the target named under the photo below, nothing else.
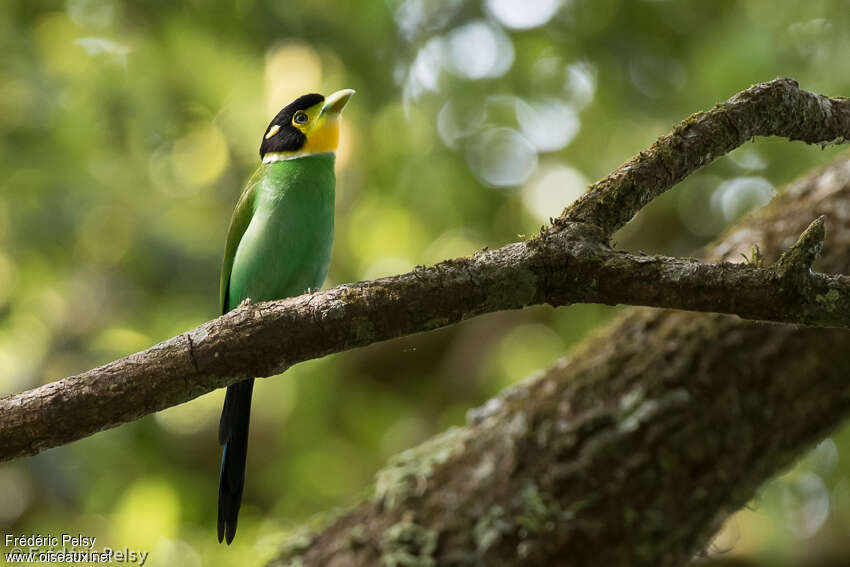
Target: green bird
(278, 245)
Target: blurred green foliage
(128, 127)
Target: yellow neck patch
(323, 137)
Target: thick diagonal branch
(630, 452)
(572, 263)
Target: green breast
(286, 248)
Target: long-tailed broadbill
(278, 245)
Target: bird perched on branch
(278, 245)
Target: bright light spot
(92, 298)
(198, 415)
(740, 195)
(455, 123)
(452, 244)
(292, 69)
(824, 457)
(388, 266)
(580, 84)
(415, 16)
(410, 18)
(385, 238)
(549, 125)
(523, 15)
(552, 188)
(148, 510)
(117, 341)
(54, 33)
(13, 378)
(547, 70)
(479, 50)
(95, 13)
(31, 334)
(806, 504)
(655, 76)
(811, 38)
(523, 350)
(425, 70)
(696, 210)
(107, 233)
(49, 305)
(201, 156)
(15, 494)
(24, 343)
(276, 398)
(748, 159)
(501, 157)
(94, 46)
(161, 173)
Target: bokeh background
(128, 127)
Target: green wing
(238, 225)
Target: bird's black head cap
(281, 135)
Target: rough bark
(567, 263)
(632, 450)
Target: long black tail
(233, 434)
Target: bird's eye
(300, 118)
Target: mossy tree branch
(632, 450)
(776, 108)
(567, 263)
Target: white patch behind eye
(272, 131)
